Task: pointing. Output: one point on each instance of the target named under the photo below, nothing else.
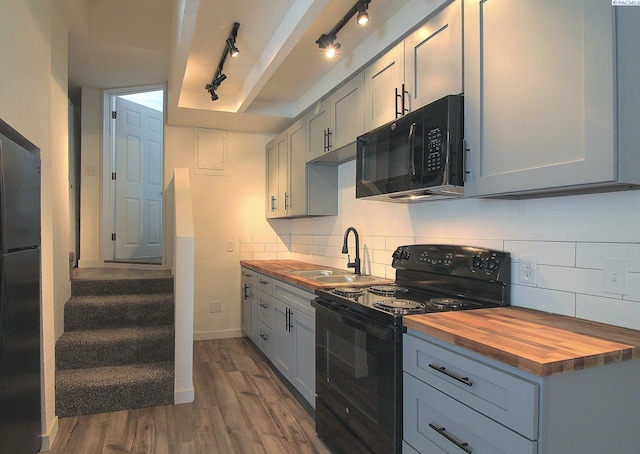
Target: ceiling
(280, 70)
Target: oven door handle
(370, 329)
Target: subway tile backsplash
(570, 277)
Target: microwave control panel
(434, 145)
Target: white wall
(33, 90)
(225, 208)
(570, 236)
(90, 182)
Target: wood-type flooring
(240, 407)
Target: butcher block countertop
(537, 342)
(282, 269)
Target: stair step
(118, 311)
(121, 286)
(115, 388)
(112, 347)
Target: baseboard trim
(49, 437)
(222, 334)
(89, 263)
(184, 396)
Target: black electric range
(431, 278)
(359, 338)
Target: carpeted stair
(117, 350)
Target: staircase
(117, 350)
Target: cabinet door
(272, 179)
(433, 58)
(317, 127)
(247, 291)
(304, 354)
(381, 80)
(347, 113)
(539, 86)
(282, 146)
(297, 197)
(282, 353)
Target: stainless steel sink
(312, 274)
(344, 278)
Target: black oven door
(391, 158)
(358, 382)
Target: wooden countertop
(537, 342)
(282, 269)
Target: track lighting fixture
(229, 49)
(327, 41)
(363, 15)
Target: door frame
(107, 208)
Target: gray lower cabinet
(286, 332)
(249, 292)
(457, 401)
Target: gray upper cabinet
(548, 86)
(433, 58)
(336, 122)
(295, 188)
(277, 176)
(317, 126)
(382, 81)
(424, 67)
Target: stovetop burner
(445, 304)
(387, 290)
(349, 292)
(400, 306)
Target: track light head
(233, 50)
(218, 80)
(363, 16)
(332, 49)
(328, 43)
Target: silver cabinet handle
(442, 431)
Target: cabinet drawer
(265, 284)
(508, 399)
(266, 306)
(435, 423)
(293, 296)
(249, 276)
(264, 340)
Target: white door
(138, 181)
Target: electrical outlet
(215, 306)
(528, 270)
(615, 276)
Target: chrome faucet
(345, 250)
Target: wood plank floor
(241, 407)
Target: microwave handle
(412, 161)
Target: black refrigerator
(20, 402)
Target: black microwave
(417, 157)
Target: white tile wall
(569, 236)
(569, 273)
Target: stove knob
(476, 262)
(492, 264)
